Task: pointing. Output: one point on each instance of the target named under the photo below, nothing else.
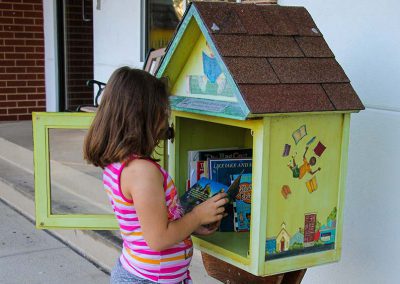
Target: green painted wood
(260, 189)
(42, 122)
(342, 181)
(300, 262)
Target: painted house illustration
(282, 239)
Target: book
(197, 166)
(222, 171)
(242, 204)
(206, 188)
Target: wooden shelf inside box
(196, 134)
(235, 242)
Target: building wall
(363, 35)
(22, 85)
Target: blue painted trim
(172, 48)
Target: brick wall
(22, 85)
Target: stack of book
(223, 166)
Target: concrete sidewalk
(28, 255)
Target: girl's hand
(207, 229)
(212, 210)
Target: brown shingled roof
(278, 58)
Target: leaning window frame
(45, 219)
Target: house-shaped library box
(263, 77)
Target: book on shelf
(242, 204)
(206, 188)
(224, 171)
(197, 166)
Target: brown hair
(132, 118)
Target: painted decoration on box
(204, 87)
(304, 188)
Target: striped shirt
(167, 266)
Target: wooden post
(229, 274)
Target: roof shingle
(278, 58)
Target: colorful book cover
(197, 167)
(242, 204)
(222, 171)
(206, 188)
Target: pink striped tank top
(167, 266)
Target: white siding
(364, 36)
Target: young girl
(130, 122)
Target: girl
(130, 122)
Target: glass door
(75, 58)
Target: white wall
(364, 36)
(116, 29)
(50, 56)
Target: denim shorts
(119, 275)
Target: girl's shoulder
(143, 169)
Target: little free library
(253, 85)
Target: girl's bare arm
(143, 181)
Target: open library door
(68, 192)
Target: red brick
(16, 97)
(34, 1)
(36, 14)
(33, 28)
(25, 117)
(23, 7)
(26, 90)
(6, 20)
(15, 56)
(16, 69)
(38, 35)
(39, 62)
(8, 76)
(8, 104)
(18, 83)
(8, 90)
(5, 6)
(14, 42)
(41, 103)
(17, 110)
(24, 49)
(24, 35)
(13, 14)
(7, 35)
(3, 83)
(38, 7)
(31, 109)
(6, 48)
(39, 49)
(36, 97)
(8, 117)
(34, 56)
(26, 76)
(39, 22)
(40, 76)
(3, 97)
(35, 42)
(26, 63)
(41, 90)
(36, 83)
(34, 69)
(3, 111)
(13, 28)
(27, 104)
(8, 62)
(24, 21)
